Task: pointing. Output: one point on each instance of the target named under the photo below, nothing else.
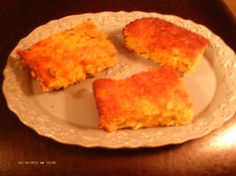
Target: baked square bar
(69, 56)
(165, 43)
(156, 97)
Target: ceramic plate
(70, 116)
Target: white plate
(70, 116)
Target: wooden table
(21, 148)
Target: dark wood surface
(21, 148)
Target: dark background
(20, 143)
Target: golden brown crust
(153, 98)
(69, 56)
(164, 42)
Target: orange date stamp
(35, 162)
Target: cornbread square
(165, 43)
(69, 56)
(156, 97)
